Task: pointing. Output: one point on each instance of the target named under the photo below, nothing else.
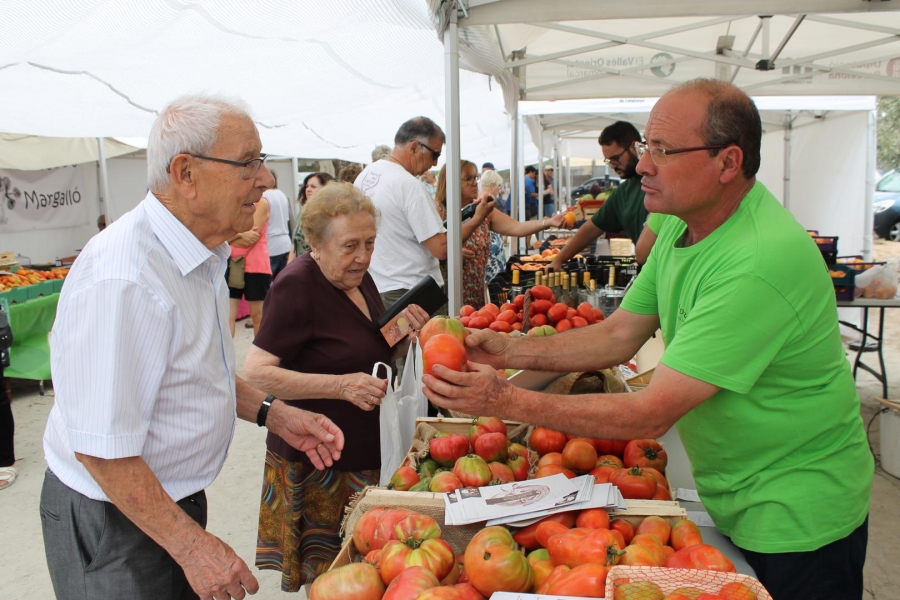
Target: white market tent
(818, 153)
(324, 80)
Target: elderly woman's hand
(362, 390)
(417, 318)
(557, 221)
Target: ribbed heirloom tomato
(701, 556)
(435, 555)
(493, 564)
(446, 350)
(376, 528)
(410, 583)
(442, 325)
(446, 448)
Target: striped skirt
(300, 518)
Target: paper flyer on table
(472, 505)
(598, 498)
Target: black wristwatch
(264, 410)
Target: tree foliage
(888, 133)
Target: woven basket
(670, 580)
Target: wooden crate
(458, 536)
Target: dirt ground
(234, 497)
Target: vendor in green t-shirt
(624, 209)
(753, 376)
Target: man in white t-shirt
(279, 233)
(411, 237)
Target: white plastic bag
(392, 449)
(412, 401)
(878, 282)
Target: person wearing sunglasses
(145, 376)
(411, 235)
(754, 374)
(624, 210)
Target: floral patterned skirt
(300, 518)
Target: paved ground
(234, 497)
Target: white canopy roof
(325, 79)
(589, 49)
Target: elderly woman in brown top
(317, 345)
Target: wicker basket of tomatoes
(657, 583)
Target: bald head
(731, 119)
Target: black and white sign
(47, 199)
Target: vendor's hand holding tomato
(362, 390)
(487, 347)
(480, 391)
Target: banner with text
(47, 199)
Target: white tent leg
(104, 180)
(541, 184)
(451, 104)
(557, 172)
(520, 160)
(786, 193)
(869, 212)
(571, 201)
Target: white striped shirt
(142, 357)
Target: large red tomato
(442, 325)
(586, 581)
(376, 528)
(417, 527)
(593, 518)
(483, 425)
(581, 546)
(527, 536)
(579, 455)
(446, 448)
(501, 473)
(614, 447)
(356, 580)
(701, 556)
(634, 483)
(645, 453)
(435, 555)
(410, 583)
(493, 564)
(555, 575)
(492, 446)
(541, 292)
(623, 527)
(636, 555)
(446, 350)
(545, 440)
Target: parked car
(887, 206)
(604, 182)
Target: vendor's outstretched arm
(584, 235)
(645, 414)
(609, 343)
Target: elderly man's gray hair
(188, 124)
(380, 152)
(421, 129)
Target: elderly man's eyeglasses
(250, 167)
(660, 156)
(434, 154)
(615, 158)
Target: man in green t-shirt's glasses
(754, 375)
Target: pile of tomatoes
(545, 311)
(568, 554)
(636, 467)
(485, 457)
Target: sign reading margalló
(47, 199)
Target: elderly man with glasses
(753, 375)
(624, 209)
(411, 236)
(144, 372)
